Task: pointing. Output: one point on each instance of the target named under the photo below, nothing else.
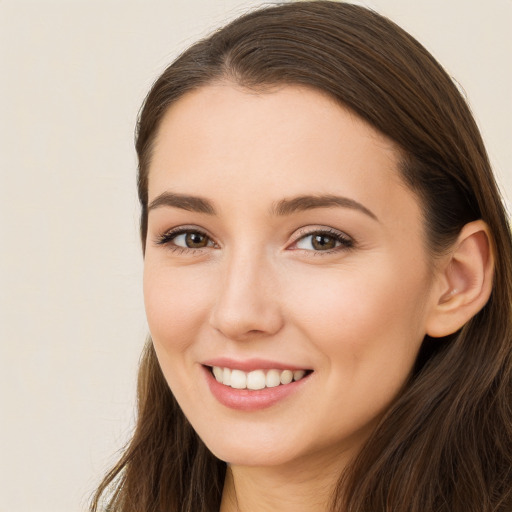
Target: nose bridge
(247, 301)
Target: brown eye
(322, 242)
(186, 239)
(194, 240)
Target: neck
(287, 489)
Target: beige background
(72, 76)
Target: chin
(244, 451)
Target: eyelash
(345, 242)
(168, 237)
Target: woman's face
(282, 242)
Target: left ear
(464, 282)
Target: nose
(247, 304)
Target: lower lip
(251, 400)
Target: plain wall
(72, 76)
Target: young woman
(327, 279)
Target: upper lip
(248, 365)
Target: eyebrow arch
(302, 203)
(185, 202)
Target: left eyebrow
(302, 203)
(183, 202)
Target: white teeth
(238, 379)
(226, 377)
(272, 378)
(218, 372)
(298, 374)
(257, 379)
(286, 377)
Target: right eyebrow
(303, 203)
(189, 203)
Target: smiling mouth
(256, 379)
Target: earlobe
(464, 282)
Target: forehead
(230, 142)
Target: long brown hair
(446, 443)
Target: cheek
(361, 317)
(368, 329)
(176, 302)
